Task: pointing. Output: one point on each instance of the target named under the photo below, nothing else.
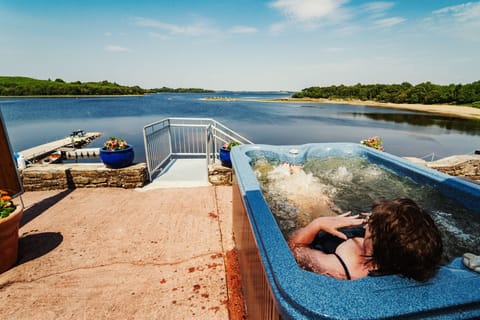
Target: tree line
(24, 86)
(424, 93)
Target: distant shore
(46, 96)
(449, 110)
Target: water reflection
(426, 120)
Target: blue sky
(243, 44)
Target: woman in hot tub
(399, 238)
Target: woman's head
(404, 239)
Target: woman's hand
(333, 223)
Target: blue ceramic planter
(117, 158)
(225, 158)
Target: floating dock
(35, 153)
(83, 153)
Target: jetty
(76, 139)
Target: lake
(34, 121)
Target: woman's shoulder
(352, 254)
(352, 247)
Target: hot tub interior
(300, 191)
(296, 178)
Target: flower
(114, 143)
(373, 142)
(230, 145)
(6, 204)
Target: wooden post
(9, 178)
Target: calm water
(35, 121)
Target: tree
(426, 93)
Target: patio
(112, 253)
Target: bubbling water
(297, 194)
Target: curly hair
(404, 239)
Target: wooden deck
(47, 148)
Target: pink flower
(114, 143)
(373, 142)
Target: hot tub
(276, 287)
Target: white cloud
(304, 10)
(460, 21)
(277, 27)
(388, 22)
(345, 17)
(194, 30)
(463, 13)
(377, 12)
(161, 36)
(378, 6)
(243, 29)
(377, 9)
(114, 48)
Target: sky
(243, 44)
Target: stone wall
(86, 175)
(461, 166)
(219, 175)
(464, 166)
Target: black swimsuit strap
(347, 274)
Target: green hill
(23, 86)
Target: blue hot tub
(275, 287)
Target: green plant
(6, 204)
(230, 145)
(373, 142)
(114, 143)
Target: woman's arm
(305, 236)
(315, 260)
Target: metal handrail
(174, 138)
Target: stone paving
(112, 253)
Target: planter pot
(9, 239)
(225, 157)
(117, 158)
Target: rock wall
(219, 175)
(468, 168)
(463, 166)
(87, 175)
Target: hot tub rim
(278, 264)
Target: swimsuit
(328, 243)
(347, 274)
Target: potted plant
(10, 216)
(116, 153)
(373, 142)
(225, 153)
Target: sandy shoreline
(449, 110)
